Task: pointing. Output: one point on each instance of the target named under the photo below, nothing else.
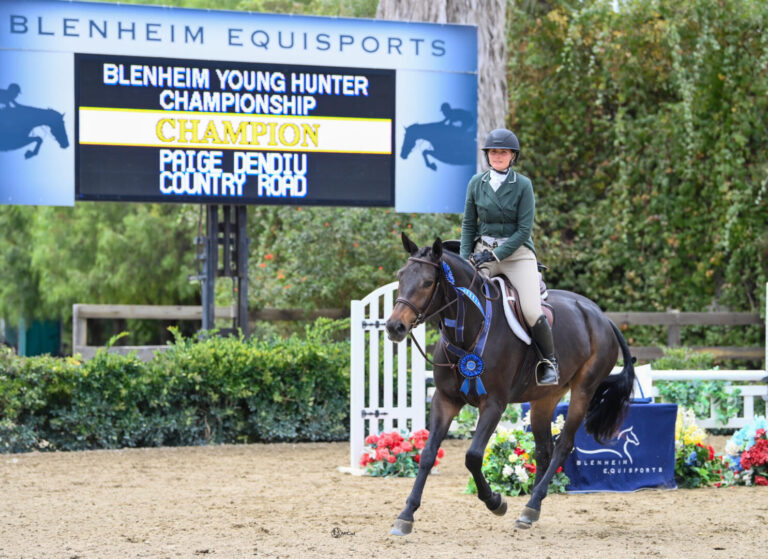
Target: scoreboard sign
(138, 103)
(167, 130)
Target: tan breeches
(523, 273)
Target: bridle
(422, 316)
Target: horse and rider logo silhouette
(630, 438)
(451, 140)
(20, 124)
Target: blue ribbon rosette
(471, 367)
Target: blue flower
(691, 460)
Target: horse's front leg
(490, 414)
(33, 152)
(431, 164)
(442, 412)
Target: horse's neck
(463, 275)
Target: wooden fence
(672, 320)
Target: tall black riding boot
(547, 373)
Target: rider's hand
(479, 258)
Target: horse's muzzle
(396, 330)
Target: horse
(450, 144)
(18, 122)
(432, 284)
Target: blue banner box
(641, 456)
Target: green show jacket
(508, 212)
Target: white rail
(647, 376)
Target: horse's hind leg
(541, 427)
(442, 413)
(576, 410)
(490, 414)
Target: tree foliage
(644, 132)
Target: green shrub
(211, 390)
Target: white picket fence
(758, 388)
(387, 380)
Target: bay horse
(431, 285)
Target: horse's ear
(437, 249)
(409, 246)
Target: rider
(8, 96)
(496, 237)
(460, 118)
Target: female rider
(496, 237)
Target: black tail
(608, 406)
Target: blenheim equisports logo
(616, 456)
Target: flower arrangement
(509, 465)
(747, 453)
(391, 454)
(695, 464)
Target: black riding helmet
(501, 138)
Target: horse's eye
(427, 283)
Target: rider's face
(500, 159)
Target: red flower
(519, 451)
(760, 434)
(268, 256)
(391, 459)
(371, 439)
(530, 467)
(397, 449)
(711, 453)
(437, 462)
(406, 446)
(417, 458)
(365, 460)
(760, 480)
(560, 469)
(440, 453)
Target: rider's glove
(479, 258)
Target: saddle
(514, 312)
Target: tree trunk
(490, 17)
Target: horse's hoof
(500, 510)
(522, 524)
(402, 527)
(528, 517)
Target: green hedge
(216, 390)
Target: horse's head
(56, 124)
(417, 291)
(409, 141)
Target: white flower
(507, 471)
(521, 473)
(732, 448)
